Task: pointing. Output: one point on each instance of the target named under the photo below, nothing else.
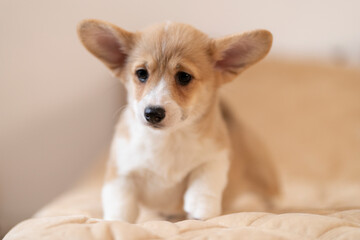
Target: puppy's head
(172, 71)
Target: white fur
(163, 43)
(158, 167)
(206, 184)
(167, 25)
(119, 201)
(159, 96)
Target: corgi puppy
(172, 149)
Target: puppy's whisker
(119, 110)
(167, 103)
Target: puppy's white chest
(168, 157)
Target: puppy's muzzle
(154, 114)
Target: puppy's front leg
(119, 200)
(206, 184)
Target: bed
(308, 116)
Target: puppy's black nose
(154, 114)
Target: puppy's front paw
(118, 205)
(202, 206)
(124, 212)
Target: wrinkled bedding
(307, 114)
(252, 225)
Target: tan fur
(251, 172)
(163, 50)
(161, 61)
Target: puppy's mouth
(157, 126)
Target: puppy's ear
(235, 53)
(106, 41)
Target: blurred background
(58, 104)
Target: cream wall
(58, 104)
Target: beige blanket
(308, 116)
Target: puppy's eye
(142, 75)
(183, 78)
